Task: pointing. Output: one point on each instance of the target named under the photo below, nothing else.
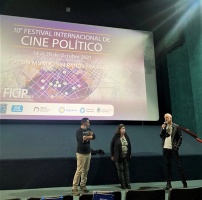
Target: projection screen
(64, 71)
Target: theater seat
(14, 199)
(63, 197)
(86, 196)
(185, 193)
(154, 194)
(117, 195)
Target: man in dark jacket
(171, 140)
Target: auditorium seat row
(149, 194)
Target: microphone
(165, 124)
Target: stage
(44, 159)
(59, 172)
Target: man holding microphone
(171, 140)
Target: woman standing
(120, 149)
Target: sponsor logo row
(43, 109)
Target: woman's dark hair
(118, 128)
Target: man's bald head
(168, 118)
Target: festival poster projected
(65, 71)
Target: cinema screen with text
(64, 71)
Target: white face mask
(123, 130)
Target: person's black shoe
(123, 186)
(185, 185)
(128, 186)
(168, 186)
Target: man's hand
(89, 137)
(176, 147)
(163, 126)
(90, 133)
(84, 138)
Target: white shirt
(168, 141)
(124, 146)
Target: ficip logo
(3, 108)
(17, 108)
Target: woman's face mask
(122, 130)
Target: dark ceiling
(157, 16)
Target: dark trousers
(123, 171)
(170, 156)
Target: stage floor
(44, 192)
